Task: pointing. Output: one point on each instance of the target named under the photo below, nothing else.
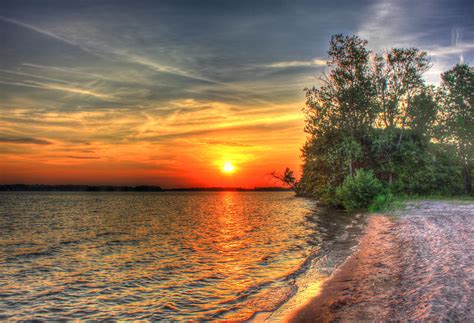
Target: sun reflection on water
(151, 256)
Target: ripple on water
(157, 255)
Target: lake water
(177, 255)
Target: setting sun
(228, 168)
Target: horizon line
(125, 188)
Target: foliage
(398, 79)
(374, 124)
(422, 116)
(344, 101)
(457, 115)
(288, 178)
(359, 191)
(381, 202)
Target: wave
(320, 263)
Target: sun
(228, 168)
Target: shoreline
(321, 268)
(413, 264)
(338, 292)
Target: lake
(166, 255)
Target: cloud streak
(59, 87)
(42, 31)
(162, 92)
(289, 64)
(25, 141)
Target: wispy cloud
(397, 23)
(456, 50)
(67, 71)
(76, 90)
(27, 141)
(389, 25)
(59, 87)
(159, 90)
(217, 142)
(103, 50)
(42, 31)
(41, 77)
(287, 64)
(80, 157)
(265, 124)
(155, 66)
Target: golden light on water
(228, 168)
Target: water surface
(179, 255)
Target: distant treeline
(141, 188)
(230, 189)
(78, 188)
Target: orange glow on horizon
(112, 147)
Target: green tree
(374, 116)
(457, 115)
(344, 101)
(422, 116)
(398, 79)
(401, 95)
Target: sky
(166, 92)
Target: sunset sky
(166, 92)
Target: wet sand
(417, 263)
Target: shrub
(381, 202)
(359, 192)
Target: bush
(381, 202)
(359, 192)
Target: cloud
(16, 73)
(164, 68)
(254, 127)
(458, 48)
(42, 31)
(64, 72)
(102, 50)
(433, 28)
(223, 143)
(391, 23)
(80, 157)
(76, 90)
(445, 51)
(288, 64)
(58, 87)
(27, 141)
(151, 84)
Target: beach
(413, 264)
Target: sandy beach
(414, 264)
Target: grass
(392, 203)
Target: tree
(374, 114)
(398, 79)
(457, 115)
(422, 116)
(401, 95)
(344, 102)
(288, 178)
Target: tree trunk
(350, 168)
(400, 139)
(390, 179)
(467, 179)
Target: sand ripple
(417, 265)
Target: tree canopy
(373, 113)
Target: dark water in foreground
(179, 255)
